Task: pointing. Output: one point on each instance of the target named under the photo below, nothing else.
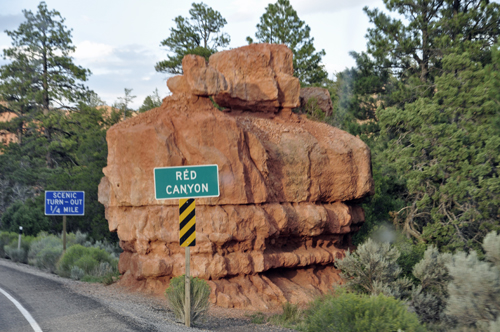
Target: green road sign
(186, 181)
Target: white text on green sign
(186, 181)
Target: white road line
(25, 312)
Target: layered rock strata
(289, 187)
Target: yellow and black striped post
(187, 238)
(187, 222)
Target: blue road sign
(64, 203)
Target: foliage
(280, 24)
(76, 273)
(412, 48)
(25, 214)
(17, 255)
(474, 289)
(41, 80)
(151, 102)
(346, 312)
(429, 296)
(446, 148)
(45, 251)
(291, 317)
(41, 68)
(200, 34)
(313, 111)
(373, 269)
(257, 318)
(200, 291)
(61, 140)
(428, 81)
(85, 258)
(124, 101)
(24, 166)
(5, 239)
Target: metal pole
(64, 234)
(187, 285)
(19, 241)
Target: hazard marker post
(186, 183)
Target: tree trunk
(45, 74)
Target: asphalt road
(54, 307)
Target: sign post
(64, 203)
(19, 241)
(186, 183)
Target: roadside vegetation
(86, 260)
(199, 291)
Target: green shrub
(290, 317)
(87, 263)
(373, 269)
(45, 251)
(77, 273)
(21, 255)
(5, 239)
(429, 296)
(257, 318)
(27, 214)
(348, 312)
(16, 255)
(474, 289)
(85, 258)
(200, 291)
(75, 238)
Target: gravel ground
(152, 311)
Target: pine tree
(200, 34)
(280, 24)
(41, 76)
(446, 147)
(151, 102)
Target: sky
(119, 40)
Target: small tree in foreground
(428, 297)
(475, 287)
(200, 291)
(373, 269)
(348, 312)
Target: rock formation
(289, 187)
(320, 96)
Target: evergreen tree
(151, 102)
(124, 101)
(280, 24)
(412, 49)
(200, 34)
(405, 64)
(41, 76)
(446, 149)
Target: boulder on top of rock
(319, 96)
(257, 77)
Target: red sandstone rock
(320, 95)
(287, 187)
(257, 77)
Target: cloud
(90, 51)
(117, 67)
(10, 22)
(243, 11)
(329, 6)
